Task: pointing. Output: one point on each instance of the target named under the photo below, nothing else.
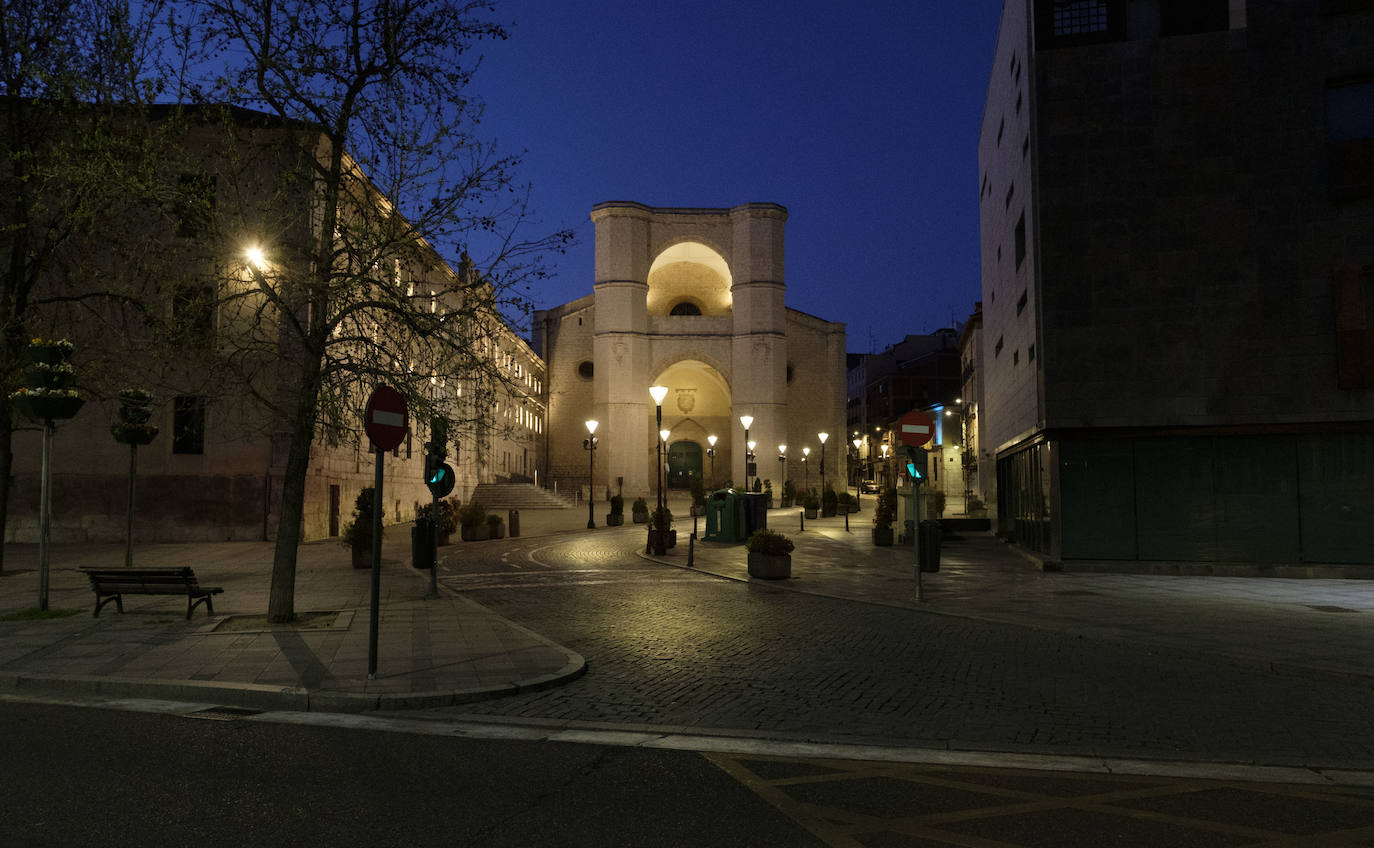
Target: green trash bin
(722, 517)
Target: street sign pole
(915, 429)
(375, 613)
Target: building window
(1020, 241)
(1025, 147)
(997, 348)
(1001, 128)
(1021, 303)
(193, 313)
(1065, 23)
(195, 204)
(1019, 95)
(585, 369)
(1350, 138)
(685, 308)
(986, 189)
(1016, 357)
(1011, 192)
(188, 424)
(1182, 17)
(1030, 353)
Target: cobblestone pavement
(671, 647)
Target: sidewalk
(1318, 628)
(430, 653)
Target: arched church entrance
(684, 463)
(696, 407)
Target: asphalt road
(670, 647)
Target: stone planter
(477, 533)
(882, 536)
(809, 512)
(615, 519)
(672, 539)
(769, 566)
(496, 531)
(827, 512)
(641, 517)
(853, 507)
(362, 557)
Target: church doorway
(684, 461)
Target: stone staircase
(495, 496)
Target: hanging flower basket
(50, 351)
(133, 434)
(135, 409)
(42, 375)
(55, 406)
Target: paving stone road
(670, 647)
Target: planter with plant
(640, 511)
(496, 526)
(661, 534)
(883, 516)
(447, 517)
(770, 555)
(758, 486)
(828, 501)
(935, 504)
(473, 519)
(789, 493)
(357, 534)
(616, 516)
(844, 503)
(810, 504)
(768, 490)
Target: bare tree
(378, 175)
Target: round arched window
(686, 308)
(585, 369)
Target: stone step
(517, 496)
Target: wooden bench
(111, 584)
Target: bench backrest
(145, 580)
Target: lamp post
(822, 437)
(782, 467)
(858, 464)
(659, 393)
(589, 444)
(806, 476)
(746, 420)
(711, 454)
(662, 470)
(883, 448)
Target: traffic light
(916, 464)
(439, 475)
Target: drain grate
(223, 713)
(1326, 608)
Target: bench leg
(191, 604)
(100, 602)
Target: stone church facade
(693, 300)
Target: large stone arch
(693, 271)
(699, 404)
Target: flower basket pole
(48, 397)
(133, 429)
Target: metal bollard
(691, 550)
(513, 522)
(803, 521)
(846, 521)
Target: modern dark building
(1177, 215)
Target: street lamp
(883, 448)
(822, 437)
(711, 453)
(589, 445)
(782, 466)
(658, 393)
(806, 477)
(858, 463)
(746, 420)
(663, 444)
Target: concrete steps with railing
(517, 496)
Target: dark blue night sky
(862, 119)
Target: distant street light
(746, 420)
(711, 454)
(589, 445)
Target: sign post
(385, 420)
(915, 429)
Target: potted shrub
(616, 516)
(883, 516)
(770, 555)
(789, 493)
(640, 511)
(473, 519)
(698, 496)
(935, 504)
(828, 501)
(661, 536)
(496, 526)
(844, 502)
(357, 534)
(768, 490)
(810, 504)
(447, 519)
(758, 486)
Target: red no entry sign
(386, 418)
(915, 428)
